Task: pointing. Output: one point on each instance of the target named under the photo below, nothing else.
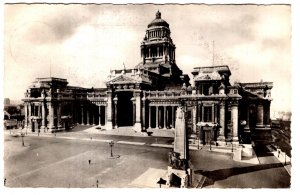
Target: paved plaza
(62, 160)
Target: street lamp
(111, 144)
(22, 135)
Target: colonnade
(164, 117)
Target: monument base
(137, 127)
(109, 125)
(179, 178)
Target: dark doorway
(33, 126)
(207, 136)
(175, 181)
(252, 117)
(125, 109)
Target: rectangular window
(207, 114)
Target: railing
(160, 94)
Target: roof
(158, 21)
(210, 69)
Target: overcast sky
(83, 42)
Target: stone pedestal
(179, 178)
(237, 155)
(137, 126)
(179, 169)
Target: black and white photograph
(147, 95)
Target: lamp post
(111, 144)
(22, 135)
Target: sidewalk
(282, 157)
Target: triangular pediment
(122, 79)
(208, 76)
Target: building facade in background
(146, 98)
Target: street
(57, 162)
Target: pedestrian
(4, 181)
(89, 162)
(97, 183)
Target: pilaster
(222, 122)
(138, 125)
(109, 125)
(51, 125)
(234, 119)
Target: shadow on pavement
(262, 151)
(222, 174)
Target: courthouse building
(145, 98)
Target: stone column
(82, 123)
(39, 110)
(144, 113)
(159, 118)
(93, 115)
(173, 117)
(30, 115)
(213, 112)
(115, 111)
(75, 118)
(234, 119)
(138, 125)
(26, 115)
(199, 111)
(222, 122)
(149, 117)
(109, 110)
(202, 115)
(247, 127)
(104, 116)
(51, 117)
(260, 115)
(194, 118)
(165, 118)
(59, 116)
(43, 127)
(168, 118)
(133, 113)
(87, 115)
(156, 110)
(99, 115)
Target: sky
(82, 43)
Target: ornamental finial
(158, 14)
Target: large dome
(158, 21)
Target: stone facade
(146, 98)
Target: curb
(282, 162)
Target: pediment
(208, 76)
(122, 79)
